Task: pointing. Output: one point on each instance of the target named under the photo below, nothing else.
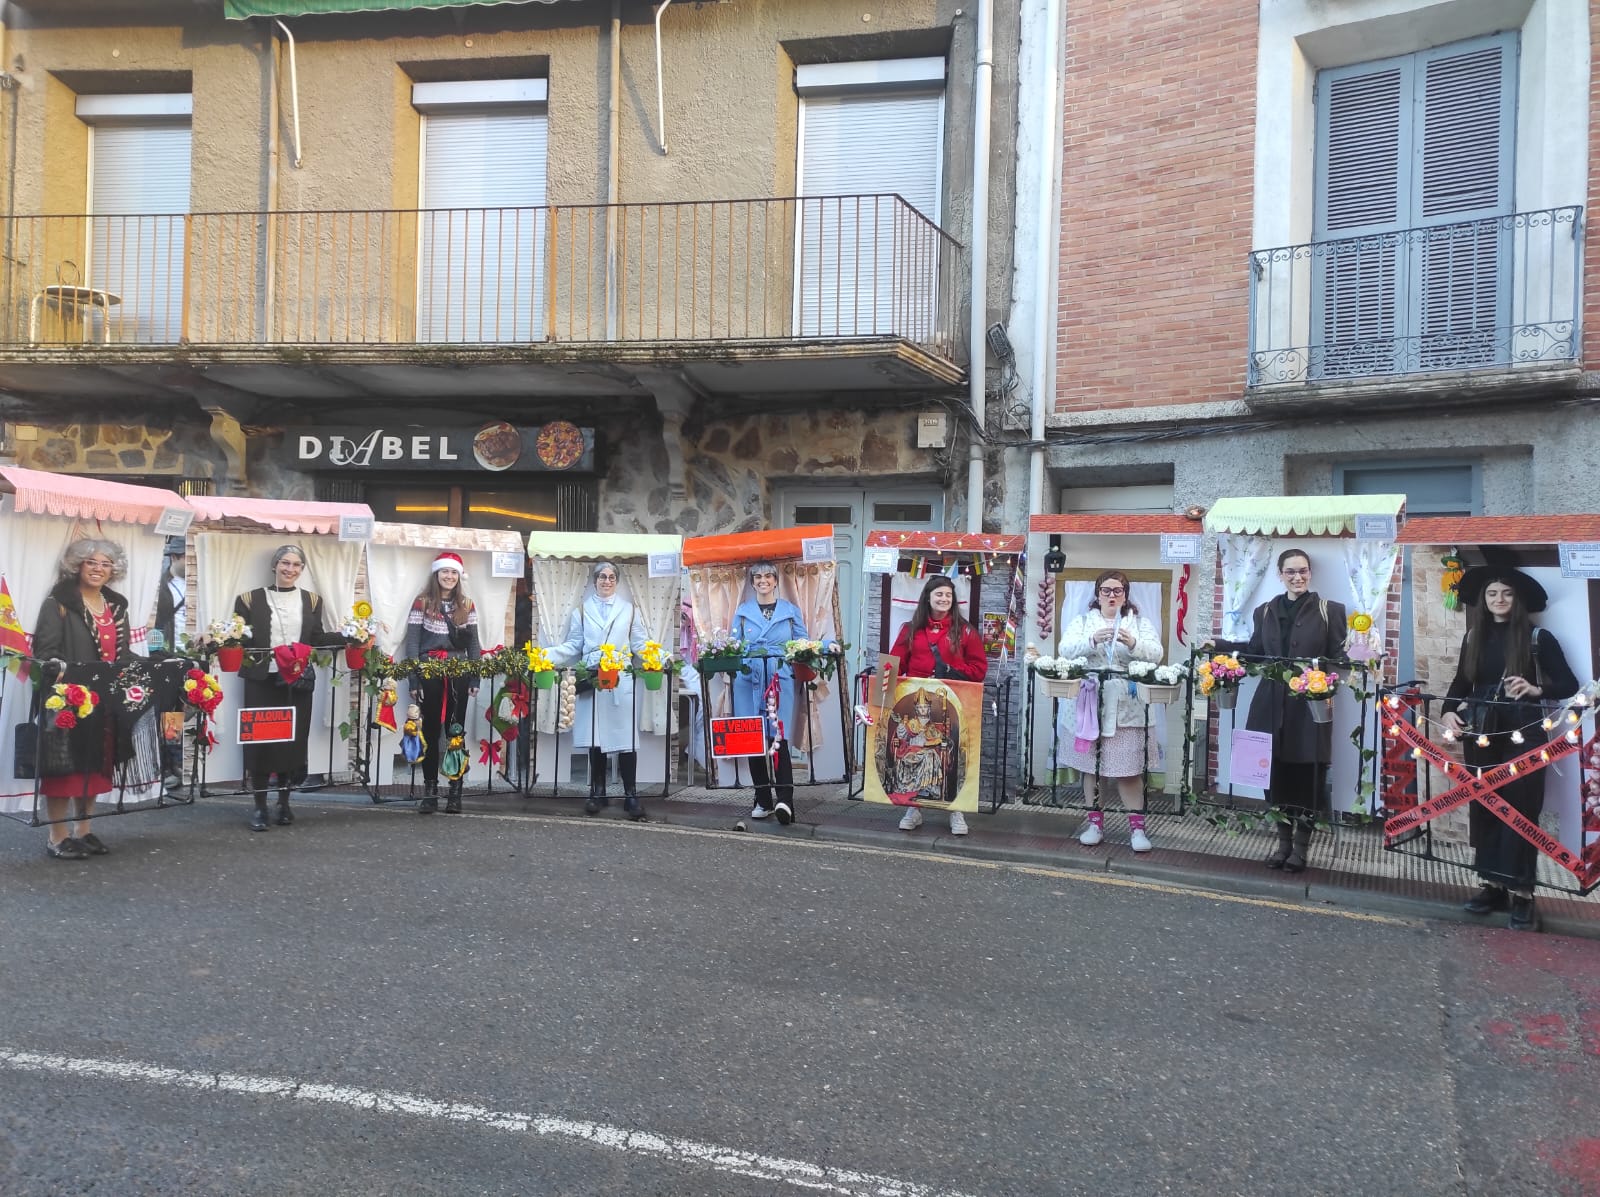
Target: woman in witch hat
(1506, 671)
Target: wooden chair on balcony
(73, 304)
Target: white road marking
(801, 1174)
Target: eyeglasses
(605, 577)
(1112, 591)
(1296, 573)
(95, 564)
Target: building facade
(485, 265)
(1326, 248)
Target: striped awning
(1298, 515)
(238, 10)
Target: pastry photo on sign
(498, 446)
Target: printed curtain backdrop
(1245, 560)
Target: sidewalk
(1348, 866)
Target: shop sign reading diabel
(496, 446)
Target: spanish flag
(13, 640)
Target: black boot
(258, 821)
(452, 804)
(1487, 900)
(597, 782)
(430, 798)
(1524, 917)
(1278, 855)
(285, 815)
(1296, 862)
(628, 767)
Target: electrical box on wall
(933, 430)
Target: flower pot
(1226, 698)
(651, 678)
(720, 664)
(1158, 693)
(1321, 709)
(230, 658)
(607, 679)
(1061, 687)
(545, 679)
(355, 656)
(803, 672)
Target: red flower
(66, 720)
(76, 695)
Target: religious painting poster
(924, 742)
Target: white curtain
(30, 553)
(1076, 596)
(558, 586)
(331, 568)
(1370, 565)
(658, 602)
(1244, 563)
(395, 576)
(229, 563)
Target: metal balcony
(1495, 295)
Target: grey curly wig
(79, 551)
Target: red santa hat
(449, 561)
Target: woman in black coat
(285, 624)
(1297, 624)
(82, 622)
(1506, 669)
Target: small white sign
(817, 548)
(665, 565)
(1180, 548)
(882, 561)
(355, 527)
(174, 521)
(1376, 527)
(1580, 559)
(507, 564)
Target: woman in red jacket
(938, 642)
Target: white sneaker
(958, 823)
(1091, 835)
(759, 812)
(1139, 841)
(912, 819)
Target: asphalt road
(370, 1002)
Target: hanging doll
(453, 765)
(412, 745)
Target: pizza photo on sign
(559, 445)
(497, 446)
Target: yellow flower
(363, 610)
(1361, 622)
(55, 702)
(538, 660)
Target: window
(139, 150)
(566, 506)
(1153, 498)
(484, 147)
(1414, 170)
(1430, 487)
(871, 140)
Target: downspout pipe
(294, 92)
(1046, 253)
(613, 167)
(661, 100)
(978, 349)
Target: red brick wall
(1156, 202)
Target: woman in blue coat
(764, 624)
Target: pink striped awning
(281, 515)
(40, 492)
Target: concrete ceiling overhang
(359, 375)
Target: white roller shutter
(481, 277)
(138, 196)
(868, 264)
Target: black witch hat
(1498, 567)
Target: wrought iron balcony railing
(835, 268)
(1502, 292)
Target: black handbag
(25, 751)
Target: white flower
(1141, 669)
(1045, 665)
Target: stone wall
(141, 450)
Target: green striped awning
(240, 9)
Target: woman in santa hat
(286, 623)
(1508, 668)
(443, 624)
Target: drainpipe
(661, 103)
(1046, 254)
(978, 349)
(269, 239)
(294, 92)
(614, 164)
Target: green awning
(238, 10)
(594, 546)
(1303, 515)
